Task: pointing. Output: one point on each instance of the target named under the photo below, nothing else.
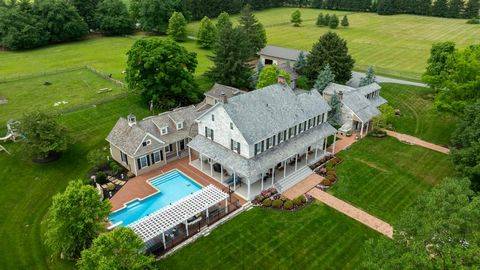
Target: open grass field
(27, 188)
(316, 237)
(418, 117)
(396, 45)
(107, 54)
(74, 87)
(385, 176)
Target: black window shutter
(148, 160)
(138, 163)
(161, 155)
(153, 158)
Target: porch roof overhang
(253, 167)
(154, 225)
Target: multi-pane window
(157, 156)
(235, 146)
(124, 157)
(231, 126)
(143, 162)
(213, 117)
(209, 133)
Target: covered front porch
(248, 177)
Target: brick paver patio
(139, 188)
(353, 212)
(417, 141)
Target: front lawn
(385, 176)
(418, 117)
(316, 237)
(27, 188)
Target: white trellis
(157, 223)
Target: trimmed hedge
(277, 203)
(267, 203)
(288, 205)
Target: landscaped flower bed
(328, 172)
(377, 133)
(270, 198)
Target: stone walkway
(303, 186)
(417, 141)
(353, 212)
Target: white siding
(222, 132)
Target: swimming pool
(172, 187)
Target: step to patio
(293, 179)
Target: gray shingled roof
(335, 87)
(378, 101)
(293, 74)
(279, 52)
(253, 167)
(218, 89)
(367, 89)
(360, 106)
(128, 138)
(264, 112)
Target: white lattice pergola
(159, 222)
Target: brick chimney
(340, 95)
(281, 79)
(223, 98)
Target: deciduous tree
(439, 63)
(154, 15)
(177, 27)
(162, 71)
(207, 33)
(118, 249)
(86, 9)
(296, 18)
(269, 76)
(455, 8)
(254, 31)
(75, 218)
(112, 18)
(471, 9)
(440, 8)
(223, 20)
(44, 136)
(330, 49)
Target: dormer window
(179, 125)
(147, 142)
(163, 130)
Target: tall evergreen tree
(325, 77)
(230, 55)
(207, 33)
(327, 20)
(256, 36)
(333, 24)
(455, 8)
(223, 20)
(369, 77)
(471, 9)
(335, 114)
(440, 8)
(177, 27)
(300, 62)
(320, 19)
(345, 22)
(330, 49)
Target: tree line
(439, 8)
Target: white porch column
(334, 142)
(211, 167)
(306, 157)
(248, 190)
(164, 242)
(186, 226)
(366, 130)
(296, 159)
(226, 206)
(285, 169)
(361, 131)
(262, 182)
(201, 162)
(234, 181)
(273, 174)
(189, 155)
(221, 173)
(176, 147)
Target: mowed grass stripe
(412, 170)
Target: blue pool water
(173, 186)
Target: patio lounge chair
(230, 180)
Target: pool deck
(139, 188)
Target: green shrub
(297, 201)
(473, 21)
(288, 205)
(326, 182)
(259, 198)
(267, 202)
(331, 172)
(101, 178)
(330, 178)
(97, 158)
(277, 203)
(303, 198)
